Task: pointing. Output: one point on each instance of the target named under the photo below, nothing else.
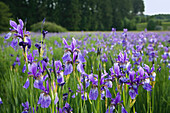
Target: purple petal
(131, 75)
(21, 23)
(13, 24)
(80, 68)
(93, 94)
(66, 57)
(116, 68)
(58, 66)
(117, 99)
(34, 69)
(27, 83)
(24, 68)
(147, 87)
(123, 110)
(81, 58)
(56, 99)
(141, 71)
(68, 69)
(7, 36)
(110, 109)
(132, 93)
(108, 94)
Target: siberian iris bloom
(27, 109)
(67, 108)
(45, 99)
(114, 102)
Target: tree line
(79, 14)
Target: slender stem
(148, 101)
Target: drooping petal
(39, 84)
(68, 69)
(123, 110)
(93, 94)
(27, 83)
(58, 66)
(117, 99)
(8, 35)
(108, 94)
(147, 87)
(147, 68)
(81, 58)
(60, 78)
(66, 57)
(47, 101)
(132, 93)
(80, 68)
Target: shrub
(159, 28)
(48, 26)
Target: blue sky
(156, 7)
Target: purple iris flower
(71, 47)
(44, 100)
(114, 103)
(133, 85)
(104, 58)
(67, 108)
(148, 70)
(27, 109)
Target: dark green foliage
(48, 26)
(77, 14)
(4, 17)
(151, 25)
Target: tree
(70, 17)
(151, 25)
(4, 17)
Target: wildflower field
(95, 72)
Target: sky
(153, 7)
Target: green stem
(148, 101)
